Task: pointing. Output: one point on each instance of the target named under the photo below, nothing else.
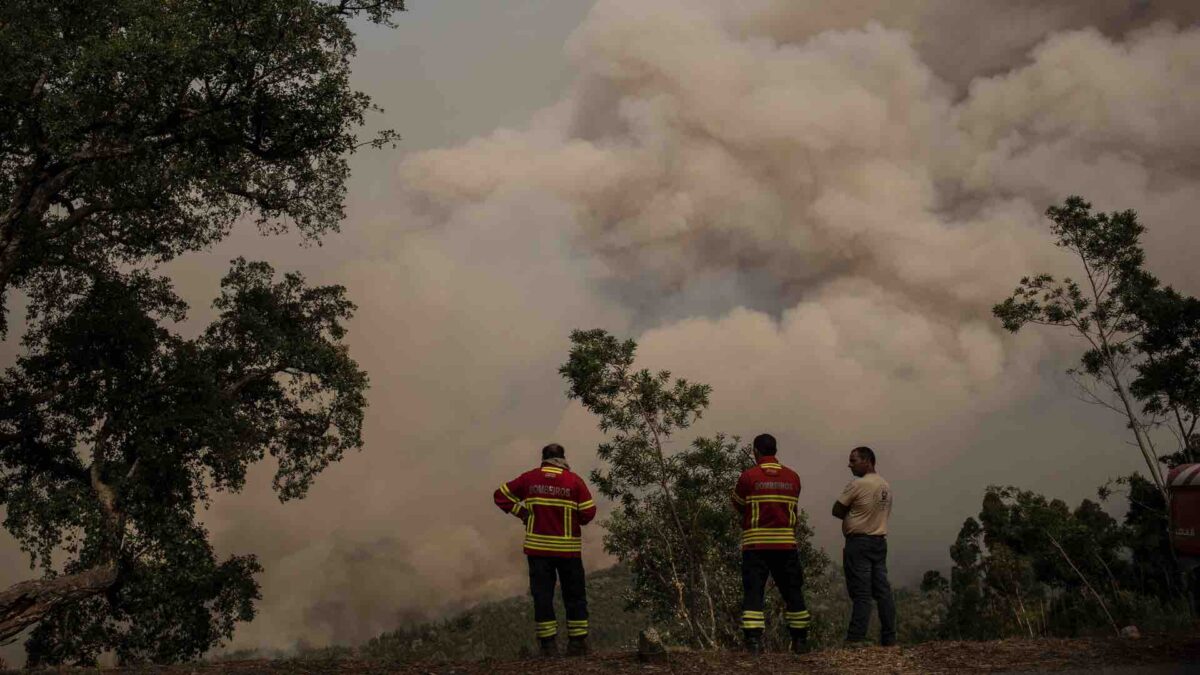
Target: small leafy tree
(1134, 330)
(966, 617)
(673, 524)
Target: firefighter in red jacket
(553, 503)
(766, 498)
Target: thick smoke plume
(810, 206)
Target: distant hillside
(504, 628)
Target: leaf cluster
(114, 429)
(135, 130)
(639, 409)
(1108, 248)
(1167, 379)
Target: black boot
(578, 646)
(754, 643)
(800, 641)
(547, 647)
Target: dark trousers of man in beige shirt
(864, 562)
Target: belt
(856, 535)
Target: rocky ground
(1167, 655)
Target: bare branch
(1087, 583)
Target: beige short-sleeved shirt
(869, 499)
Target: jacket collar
(555, 465)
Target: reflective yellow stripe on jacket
(543, 542)
(769, 535)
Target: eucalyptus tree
(133, 132)
(1142, 340)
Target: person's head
(862, 461)
(553, 450)
(764, 446)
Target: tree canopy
(1142, 339)
(136, 130)
(1032, 566)
(132, 132)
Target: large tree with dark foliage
(131, 132)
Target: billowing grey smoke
(809, 205)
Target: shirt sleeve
(849, 494)
(587, 505)
(510, 496)
(740, 492)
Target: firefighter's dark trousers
(784, 567)
(864, 562)
(542, 573)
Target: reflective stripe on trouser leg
(546, 629)
(577, 628)
(753, 620)
(798, 619)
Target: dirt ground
(1004, 656)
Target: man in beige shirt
(863, 508)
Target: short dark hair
(765, 444)
(553, 450)
(865, 452)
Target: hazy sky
(810, 206)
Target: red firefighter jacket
(553, 503)
(766, 496)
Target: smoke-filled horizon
(810, 206)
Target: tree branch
(1086, 583)
(246, 380)
(77, 217)
(28, 602)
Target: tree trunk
(1135, 424)
(26, 603)
(695, 565)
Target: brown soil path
(1004, 656)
